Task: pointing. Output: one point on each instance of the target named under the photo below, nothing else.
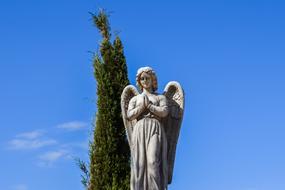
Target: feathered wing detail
(128, 92)
(172, 123)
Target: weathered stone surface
(152, 124)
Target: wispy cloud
(73, 125)
(49, 158)
(50, 150)
(30, 140)
(20, 187)
(30, 144)
(31, 134)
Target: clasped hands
(146, 103)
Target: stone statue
(152, 124)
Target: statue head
(143, 76)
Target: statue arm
(133, 111)
(161, 110)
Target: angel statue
(152, 123)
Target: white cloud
(49, 158)
(30, 140)
(30, 144)
(73, 125)
(38, 140)
(31, 135)
(20, 187)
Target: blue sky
(228, 56)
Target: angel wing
(175, 98)
(128, 92)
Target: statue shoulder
(136, 98)
(161, 97)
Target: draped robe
(149, 143)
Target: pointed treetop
(102, 23)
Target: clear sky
(229, 56)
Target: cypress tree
(109, 152)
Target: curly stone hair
(149, 71)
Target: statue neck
(147, 91)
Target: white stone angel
(152, 124)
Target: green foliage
(109, 153)
(85, 177)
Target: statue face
(146, 81)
